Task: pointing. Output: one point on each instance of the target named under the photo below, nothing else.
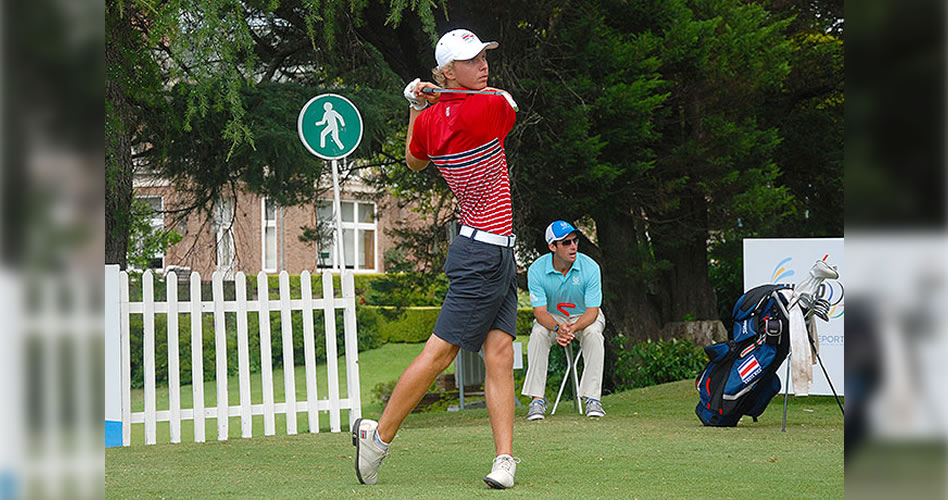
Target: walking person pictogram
(333, 120)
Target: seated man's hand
(565, 334)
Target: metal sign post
(337, 209)
(330, 127)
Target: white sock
(378, 440)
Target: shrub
(524, 322)
(412, 325)
(409, 289)
(656, 362)
(383, 390)
(367, 320)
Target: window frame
(264, 225)
(356, 243)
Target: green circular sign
(330, 126)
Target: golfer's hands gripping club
(413, 94)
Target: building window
(224, 235)
(359, 235)
(156, 219)
(268, 233)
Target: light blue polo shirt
(568, 295)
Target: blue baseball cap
(558, 230)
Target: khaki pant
(538, 355)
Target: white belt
(484, 236)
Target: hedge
(654, 362)
(415, 324)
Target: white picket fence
(49, 381)
(149, 308)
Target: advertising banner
(789, 261)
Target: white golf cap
(460, 45)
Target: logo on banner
(833, 292)
(781, 271)
(749, 369)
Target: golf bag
(740, 378)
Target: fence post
(352, 348)
(309, 350)
(220, 357)
(126, 361)
(113, 358)
(197, 358)
(266, 355)
(12, 453)
(148, 350)
(174, 381)
(289, 373)
(243, 356)
(332, 369)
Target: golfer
(463, 135)
(565, 292)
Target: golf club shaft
(431, 90)
(505, 95)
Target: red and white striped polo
(463, 135)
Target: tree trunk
(118, 149)
(627, 304)
(686, 289)
(118, 193)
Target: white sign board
(789, 261)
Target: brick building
(245, 232)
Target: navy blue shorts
(482, 294)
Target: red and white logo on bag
(749, 369)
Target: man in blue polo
(566, 293)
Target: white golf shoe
(502, 473)
(369, 454)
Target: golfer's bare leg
(499, 388)
(414, 383)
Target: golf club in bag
(740, 377)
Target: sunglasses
(569, 242)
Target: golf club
(430, 90)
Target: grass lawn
(650, 445)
